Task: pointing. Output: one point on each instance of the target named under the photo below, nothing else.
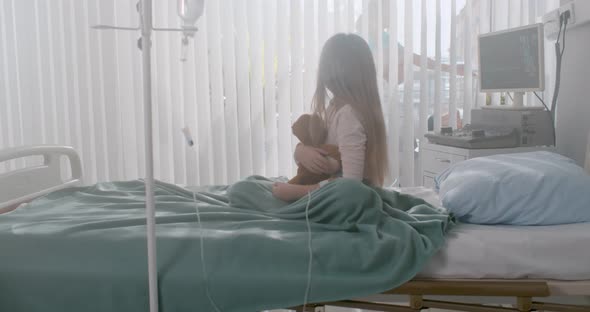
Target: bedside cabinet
(436, 158)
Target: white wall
(573, 109)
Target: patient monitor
(512, 61)
(509, 61)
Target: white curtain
(250, 72)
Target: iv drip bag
(190, 11)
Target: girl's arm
(352, 142)
(292, 192)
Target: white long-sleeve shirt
(346, 131)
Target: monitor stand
(518, 100)
(517, 104)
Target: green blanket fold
(84, 249)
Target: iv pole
(150, 212)
(186, 8)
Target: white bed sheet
(560, 252)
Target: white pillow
(537, 188)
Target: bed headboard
(22, 185)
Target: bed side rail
(23, 185)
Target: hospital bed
(477, 265)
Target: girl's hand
(313, 159)
(334, 165)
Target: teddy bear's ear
(301, 129)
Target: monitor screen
(512, 60)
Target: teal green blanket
(84, 249)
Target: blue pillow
(537, 188)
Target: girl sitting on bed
(353, 119)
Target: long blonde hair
(347, 69)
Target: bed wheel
(416, 302)
(524, 304)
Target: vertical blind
(249, 73)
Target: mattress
(559, 252)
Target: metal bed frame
(523, 292)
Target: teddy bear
(303, 129)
